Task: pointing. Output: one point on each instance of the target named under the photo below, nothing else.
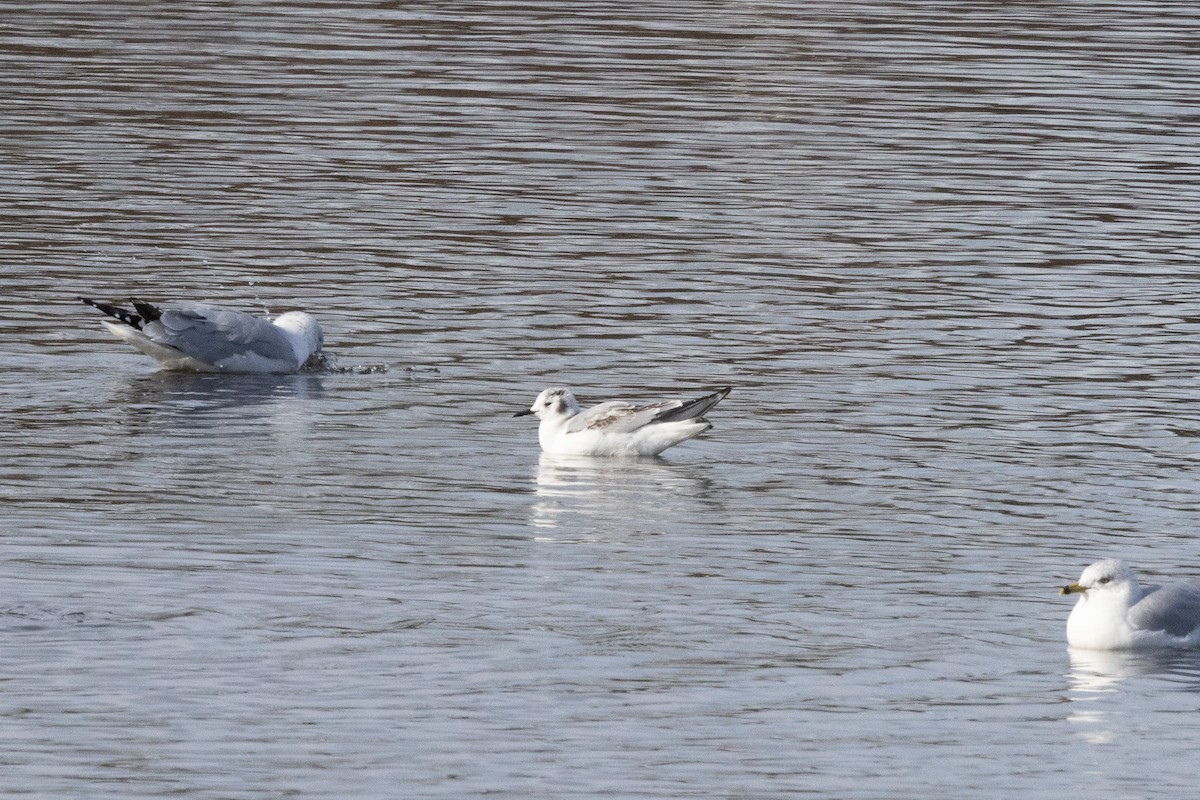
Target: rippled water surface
(945, 253)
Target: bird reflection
(174, 403)
(1098, 671)
(1098, 676)
(200, 392)
(580, 492)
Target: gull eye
(1105, 579)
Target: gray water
(944, 253)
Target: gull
(1115, 613)
(617, 428)
(207, 339)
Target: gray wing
(1174, 609)
(621, 417)
(213, 334)
(618, 417)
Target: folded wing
(1174, 609)
(213, 335)
(617, 416)
(675, 411)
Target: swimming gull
(617, 428)
(1115, 613)
(207, 339)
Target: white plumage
(617, 428)
(1115, 613)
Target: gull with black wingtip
(617, 428)
(206, 339)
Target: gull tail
(693, 408)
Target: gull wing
(674, 411)
(212, 334)
(1174, 609)
(617, 416)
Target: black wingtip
(123, 314)
(149, 311)
(694, 409)
(716, 396)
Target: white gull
(1115, 613)
(617, 428)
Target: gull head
(305, 328)
(1108, 578)
(553, 404)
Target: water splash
(327, 363)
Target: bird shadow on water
(576, 492)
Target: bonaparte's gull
(617, 428)
(208, 339)
(1115, 613)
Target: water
(944, 253)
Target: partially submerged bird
(617, 428)
(207, 339)
(1115, 613)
